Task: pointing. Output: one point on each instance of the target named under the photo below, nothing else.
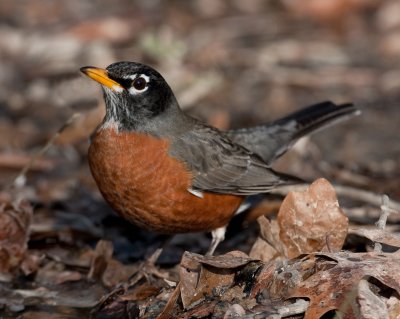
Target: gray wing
(221, 166)
(272, 140)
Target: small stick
(297, 308)
(381, 223)
(20, 180)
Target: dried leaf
(86, 296)
(102, 254)
(141, 292)
(167, 311)
(234, 311)
(74, 258)
(117, 308)
(189, 271)
(30, 264)
(66, 276)
(55, 273)
(268, 246)
(15, 219)
(377, 235)
(262, 250)
(202, 311)
(393, 304)
(371, 306)
(203, 276)
(335, 288)
(312, 220)
(233, 259)
(327, 11)
(264, 279)
(116, 272)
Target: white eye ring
(139, 84)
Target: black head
(135, 94)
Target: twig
(349, 192)
(299, 307)
(33, 297)
(18, 161)
(381, 223)
(20, 180)
(386, 211)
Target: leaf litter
(63, 254)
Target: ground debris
(304, 224)
(233, 64)
(15, 221)
(339, 287)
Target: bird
(170, 173)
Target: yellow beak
(101, 76)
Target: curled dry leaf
(357, 285)
(116, 272)
(377, 235)
(141, 292)
(102, 254)
(268, 245)
(312, 220)
(169, 307)
(307, 221)
(262, 250)
(233, 259)
(103, 267)
(338, 287)
(204, 310)
(15, 219)
(206, 276)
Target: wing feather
(221, 166)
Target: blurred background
(231, 63)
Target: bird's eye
(139, 83)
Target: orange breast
(149, 188)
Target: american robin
(168, 172)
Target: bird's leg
(218, 235)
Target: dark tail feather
(318, 116)
(272, 140)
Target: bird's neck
(172, 121)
